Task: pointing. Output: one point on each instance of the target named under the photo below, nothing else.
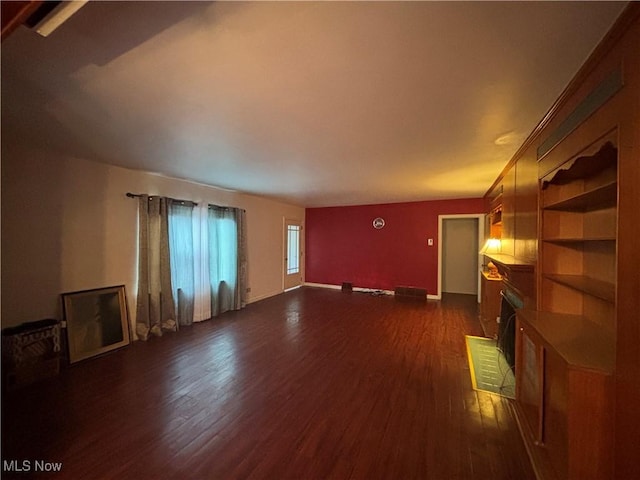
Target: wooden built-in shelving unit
(566, 349)
(578, 236)
(569, 207)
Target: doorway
(292, 268)
(459, 261)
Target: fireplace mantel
(517, 274)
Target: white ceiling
(315, 103)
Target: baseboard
(355, 289)
(322, 285)
(263, 297)
(292, 288)
(359, 289)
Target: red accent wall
(342, 245)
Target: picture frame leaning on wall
(96, 322)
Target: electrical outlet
(430, 242)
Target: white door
(292, 254)
(460, 255)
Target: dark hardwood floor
(311, 384)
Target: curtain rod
(137, 195)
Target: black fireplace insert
(507, 327)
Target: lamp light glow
(492, 246)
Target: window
(192, 263)
(293, 249)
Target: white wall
(67, 225)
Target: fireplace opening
(506, 341)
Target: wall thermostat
(378, 223)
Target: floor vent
(411, 293)
(347, 287)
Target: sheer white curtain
(189, 246)
(208, 260)
(202, 301)
(182, 259)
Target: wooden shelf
(598, 198)
(580, 342)
(591, 286)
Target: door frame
(285, 244)
(480, 217)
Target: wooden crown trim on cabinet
(584, 167)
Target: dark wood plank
(309, 384)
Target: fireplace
(507, 327)
(518, 289)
